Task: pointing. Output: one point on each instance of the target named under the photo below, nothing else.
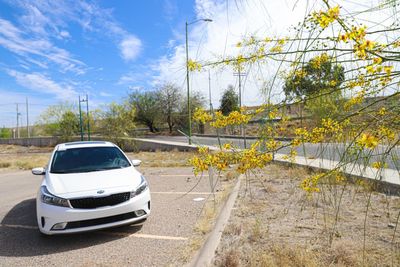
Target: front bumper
(82, 220)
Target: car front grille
(100, 221)
(97, 202)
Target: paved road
(332, 151)
(158, 243)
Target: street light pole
(187, 76)
(88, 118)
(80, 118)
(187, 84)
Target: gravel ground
(274, 223)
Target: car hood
(88, 184)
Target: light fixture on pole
(187, 76)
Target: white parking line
(147, 236)
(162, 237)
(181, 193)
(20, 226)
(177, 175)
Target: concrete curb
(205, 255)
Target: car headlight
(51, 199)
(141, 188)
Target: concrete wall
(34, 141)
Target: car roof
(83, 144)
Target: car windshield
(88, 159)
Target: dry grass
(163, 158)
(25, 161)
(276, 224)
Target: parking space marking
(182, 193)
(163, 237)
(147, 236)
(177, 175)
(19, 226)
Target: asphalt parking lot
(159, 242)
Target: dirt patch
(14, 149)
(275, 223)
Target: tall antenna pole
(209, 90)
(242, 131)
(87, 113)
(80, 118)
(27, 118)
(240, 89)
(17, 121)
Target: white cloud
(65, 34)
(40, 83)
(130, 47)
(21, 44)
(170, 8)
(43, 20)
(104, 94)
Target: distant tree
(147, 107)
(169, 96)
(49, 121)
(197, 100)
(318, 75)
(117, 122)
(68, 125)
(5, 133)
(229, 101)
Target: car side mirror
(136, 162)
(38, 171)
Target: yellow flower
(202, 116)
(367, 140)
(192, 65)
(385, 132)
(227, 146)
(388, 69)
(378, 165)
(382, 111)
(343, 38)
(326, 18)
(276, 49)
(310, 184)
(377, 60)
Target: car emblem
(100, 192)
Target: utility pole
(187, 76)
(87, 115)
(209, 91)
(80, 118)
(18, 114)
(240, 75)
(27, 118)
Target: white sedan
(89, 186)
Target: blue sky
(53, 51)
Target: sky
(55, 51)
